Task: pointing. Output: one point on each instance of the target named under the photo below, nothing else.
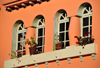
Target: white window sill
(71, 51)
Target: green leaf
(31, 38)
(27, 41)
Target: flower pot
(58, 46)
(32, 50)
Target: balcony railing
(71, 51)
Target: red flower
(90, 28)
(76, 42)
(89, 38)
(84, 40)
(82, 44)
(85, 34)
(75, 36)
(80, 37)
(88, 32)
(23, 52)
(16, 50)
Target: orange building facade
(45, 20)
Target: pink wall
(48, 10)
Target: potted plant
(32, 44)
(82, 41)
(59, 43)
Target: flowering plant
(18, 54)
(31, 43)
(84, 40)
(59, 39)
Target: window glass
(61, 18)
(85, 31)
(90, 20)
(90, 31)
(67, 36)
(40, 32)
(67, 25)
(61, 36)
(85, 21)
(67, 44)
(40, 23)
(85, 12)
(40, 41)
(62, 26)
(20, 36)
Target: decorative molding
(57, 61)
(69, 60)
(81, 58)
(47, 64)
(36, 65)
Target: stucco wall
(48, 10)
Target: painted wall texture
(48, 11)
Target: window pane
(90, 30)
(40, 23)
(19, 46)
(20, 37)
(61, 18)
(67, 44)
(24, 34)
(67, 36)
(40, 41)
(20, 28)
(19, 54)
(40, 32)
(38, 50)
(63, 45)
(85, 12)
(85, 21)
(62, 26)
(91, 20)
(24, 53)
(61, 36)
(23, 44)
(67, 25)
(85, 30)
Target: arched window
(40, 30)
(20, 45)
(86, 20)
(39, 23)
(61, 28)
(18, 40)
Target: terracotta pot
(58, 46)
(32, 50)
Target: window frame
(21, 41)
(88, 14)
(64, 20)
(37, 29)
